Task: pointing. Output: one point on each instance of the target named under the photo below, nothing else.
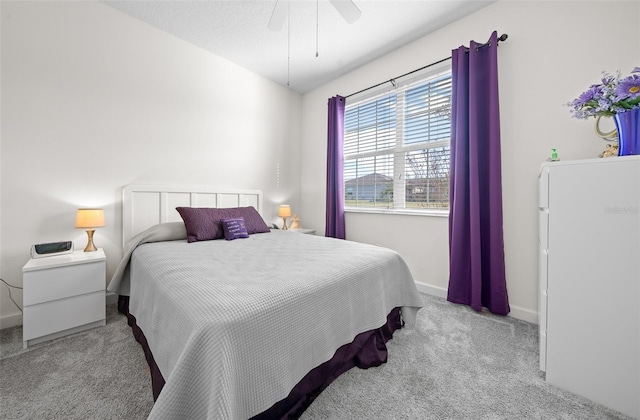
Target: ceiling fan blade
(348, 9)
(279, 15)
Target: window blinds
(396, 146)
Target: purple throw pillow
(252, 220)
(234, 228)
(204, 223)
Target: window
(396, 147)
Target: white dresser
(589, 275)
(62, 295)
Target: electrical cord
(9, 289)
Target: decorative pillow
(204, 223)
(234, 228)
(252, 220)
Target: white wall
(554, 52)
(93, 100)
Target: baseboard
(112, 298)
(11, 320)
(516, 312)
(432, 290)
(524, 314)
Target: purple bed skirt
(368, 349)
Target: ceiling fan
(347, 9)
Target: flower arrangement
(614, 95)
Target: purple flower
(628, 88)
(607, 79)
(612, 96)
(586, 96)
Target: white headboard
(146, 205)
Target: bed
(254, 327)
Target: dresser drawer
(59, 315)
(63, 282)
(543, 269)
(543, 188)
(543, 350)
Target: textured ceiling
(237, 30)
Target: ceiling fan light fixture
(282, 11)
(346, 8)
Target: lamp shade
(284, 210)
(89, 218)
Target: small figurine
(295, 222)
(611, 150)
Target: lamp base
(284, 223)
(90, 246)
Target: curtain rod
(502, 37)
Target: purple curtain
(335, 162)
(476, 246)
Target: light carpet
(455, 364)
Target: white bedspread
(234, 325)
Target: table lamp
(90, 219)
(284, 211)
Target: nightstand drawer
(62, 282)
(62, 314)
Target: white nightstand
(63, 295)
(305, 231)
